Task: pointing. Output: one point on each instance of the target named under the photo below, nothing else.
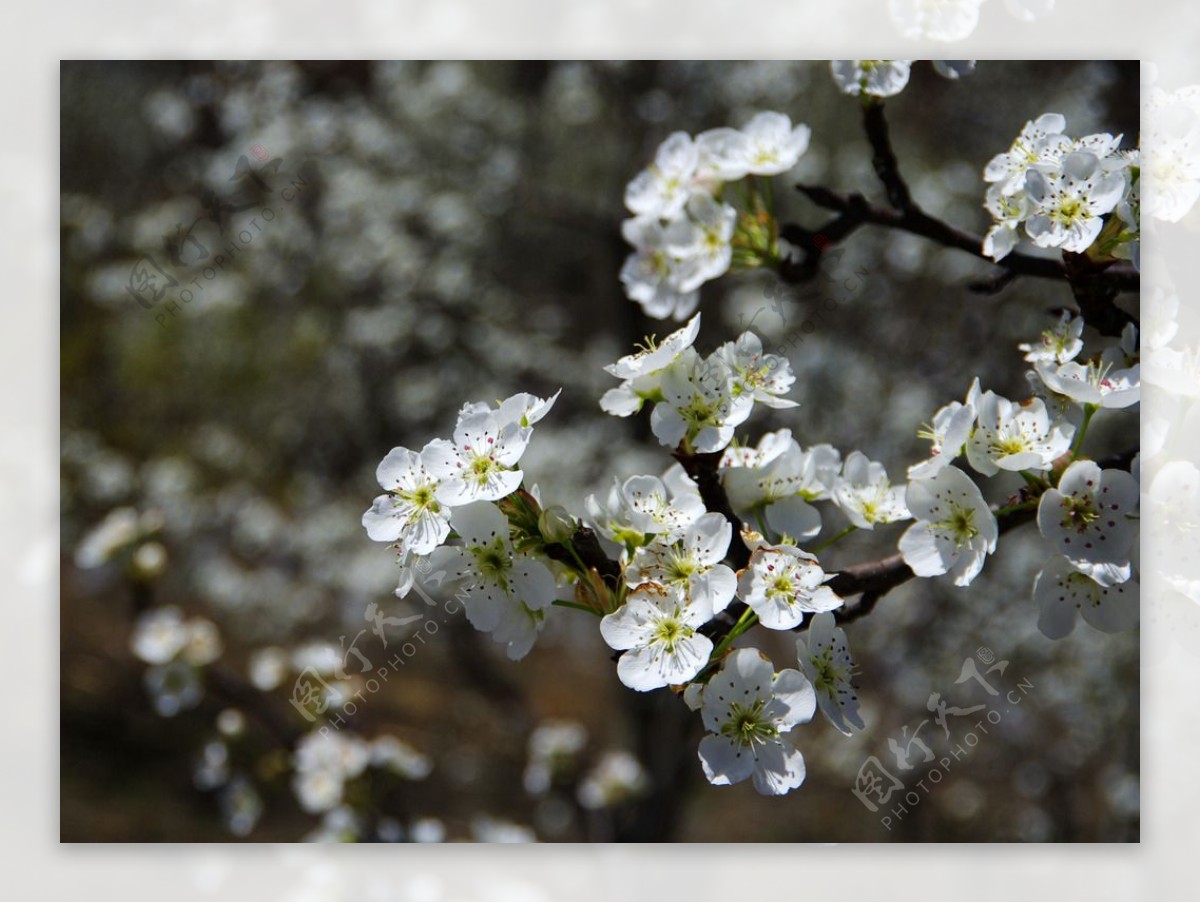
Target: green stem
(1034, 481)
(566, 603)
(570, 547)
(831, 540)
(744, 623)
(1011, 509)
(1089, 410)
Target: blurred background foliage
(453, 235)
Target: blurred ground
(452, 236)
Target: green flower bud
(556, 524)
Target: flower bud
(556, 524)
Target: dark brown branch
(883, 158)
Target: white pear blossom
(1129, 210)
(935, 20)
(1012, 436)
(699, 407)
(413, 514)
(1089, 517)
(747, 708)
(999, 241)
(1059, 344)
(866, 495)
(1068, 204)
(663, 188)
(1063, 594)
(683, 489)
(769, 447)
(642, 371)
(1009, 210)
(783, 480)
(782, 584)
(877, 78)
(764, 377)
(656, 629)
(948, 434)
(955, 530)
(651, 274)
(643, 506)
(479, 464)
(506, 593)
(767, 145)
(1040, 145)
(692, 564)
(701, 241)
(1096, 382)
(655, 357)
(824, 655)
(522, 410)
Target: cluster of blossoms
(1061, 189)
(698, 401)
(684, 230)
(1087, 514)
(455, 485)
(177, 650)
(667, 600)
(775, 483)
(669, 551)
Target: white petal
(479, 523)
(398, 468)
(794, 517)
(927, 553)
(723, 761)
(793, 699)
(532, 583)
(381, 522)
(779, 767)
(708, 538)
